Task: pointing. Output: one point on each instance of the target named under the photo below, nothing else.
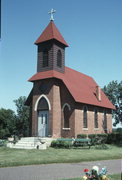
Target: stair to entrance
(31, 143)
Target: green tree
(22, 118)
(114, 92)
(7, 122)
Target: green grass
(16, 157)
(111, 177)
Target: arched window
(45, 58)
(66, 111)
(85, 123)
(105, 121)
(59, 59)
(42, 104)
(95, 118)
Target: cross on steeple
(51, 14)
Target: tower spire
(51, 14)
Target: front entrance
(43, 123)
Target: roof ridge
(52, 24)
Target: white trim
(66, 129)
(66, 104)
(36, 104)
(85, 129)
(96, 129)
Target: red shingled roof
(51, 32)
(81, 86)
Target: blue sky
(92, 28)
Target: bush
(81, 136)
(2, 142)
(119, 130)
(91, 136)
(98, 138)
(61, 144)
(102, 138)
(4, 133)
(102, 146)
(114, 138)
(93, 139)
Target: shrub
(81, 136)
(93, 139)
(101, 138)
(4, 133)
(91, 136)
(102, 146)
(2, 142)
(119, 130)
(114, 138)
(111, 138)
(98, 138)
(61, 144)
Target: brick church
(64, 102)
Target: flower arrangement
(94, 174)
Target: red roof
(81, 86)
(51, 32)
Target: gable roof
(81, 86)
(51, 32)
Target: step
(31, 143)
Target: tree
(114, 92)
(7, 122)
(22, 118)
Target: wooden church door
(43, 123)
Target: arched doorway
(43, 117)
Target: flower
(84, 178)
(86, 170)
(96, 168)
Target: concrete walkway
(56, 171)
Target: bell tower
(51, 49)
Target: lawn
(112, 177)
(16, 157)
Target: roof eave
(37, 42)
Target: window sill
(96, 129)
(66, 129)
(85, 129)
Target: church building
(64, 102)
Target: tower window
(85, 124)
(95, 118)
(45, 59)
(59, 59)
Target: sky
(92, 29)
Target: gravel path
(56, 171)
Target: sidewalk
(56, 171)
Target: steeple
(51, 49)
(51, 32)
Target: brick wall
(58, 95)
(56, 112)
(91, 127)
(37, 92)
